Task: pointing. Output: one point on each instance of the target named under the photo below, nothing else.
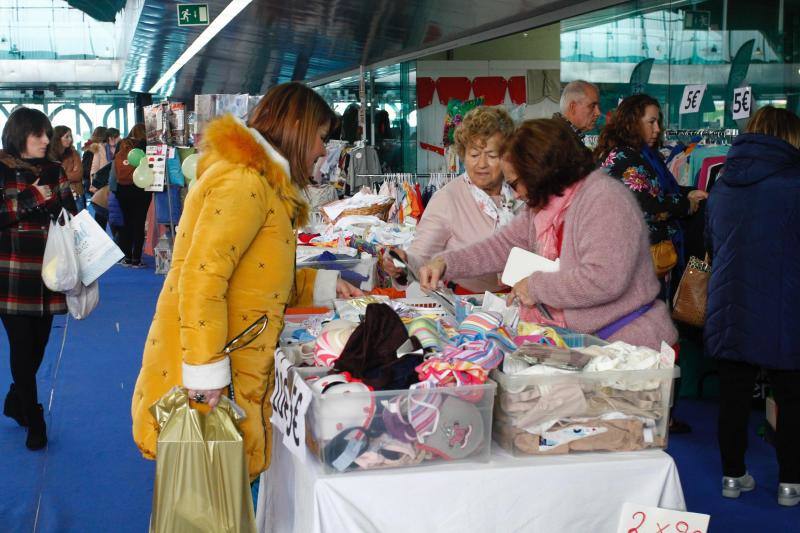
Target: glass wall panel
(389, 113)
(81, 111)
(660, 47)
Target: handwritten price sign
(640, 519)
(692, 98)
(742, 102)
(290, 401)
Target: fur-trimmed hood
(229, 139)
(92, 147)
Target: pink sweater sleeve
(607, 235)
(489, 256)
(433, 231)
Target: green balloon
(143, 176)
(135, 157)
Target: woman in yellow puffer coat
(234, 261)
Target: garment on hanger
(699, 155)
(543, 85)
(708, 163)
(328, 168)
(363, 160)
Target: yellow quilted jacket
(234, 260)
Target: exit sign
(193, 15)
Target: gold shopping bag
(201, 484)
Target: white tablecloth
(582, 492)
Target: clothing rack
(439, 178)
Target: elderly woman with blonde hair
(472, 207)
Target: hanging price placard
(290, 401)
(742, 102)
(642, 519)
(157, 159)
(692, 98)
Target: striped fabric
(480, 323)
(426, 331)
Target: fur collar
(229, 139)
(94, 148)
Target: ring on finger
(199, 397)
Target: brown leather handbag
(665, 257)
(689, 304)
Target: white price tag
(290, 401)
(642, 519)
(742, 102)
(692, 98)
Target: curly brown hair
(548, 158)
(624, 128)
(480, 124)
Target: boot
(12, 408)
(37, 430)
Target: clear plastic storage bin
(348, 430)
(618, 410)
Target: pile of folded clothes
(553, 399)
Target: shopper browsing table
(754, 290)
(234, 261)
(627, 150)
(605, 285)
(471, 207)
(580, 107)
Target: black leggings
(134, 203)
(736, 394)
(27, 338)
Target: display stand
(581, 492)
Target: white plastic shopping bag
(94, 247)
(60, 270)
(82, 300)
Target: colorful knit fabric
(330, 344)
(423, 411)
(427, 332)
(535, 334)
(480, 323)
(484, 353)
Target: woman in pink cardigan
(606, 284)
(471, 207)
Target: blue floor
(91, 477)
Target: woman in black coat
(34, 189)
(752, 315)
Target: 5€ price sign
(692, 98)
(641, 519)
(742, 102)
(290, 401)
